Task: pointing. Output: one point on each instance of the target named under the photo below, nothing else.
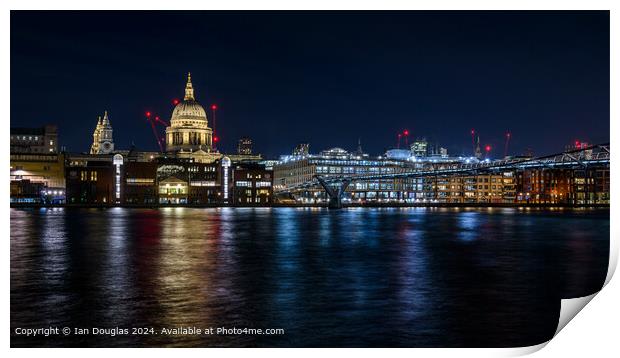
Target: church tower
(103, 142)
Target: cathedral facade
(103, 141)
(189, 129)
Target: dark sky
(327, 78)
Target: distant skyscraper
(478, 153)
(359, 150)
(301, 149)
(419, 148)
(244, 146)
(103, 142)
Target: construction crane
(506, 144)
(154, 121)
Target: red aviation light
(214, 107)
(406, 132)
(216, 139)
(487, 148)
(148, 114)
(175, 101)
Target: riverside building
(43, 140)
(535, 186)
(36, 166)
(141, 178)
(295, 170)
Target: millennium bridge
(335, 185)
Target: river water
(359, 277)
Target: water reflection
(355, 277)
(469, 226)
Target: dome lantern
(189, 90)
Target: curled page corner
(569, 309)
(613, 258)
(522, 351)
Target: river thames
(358, 277)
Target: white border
(594, 329)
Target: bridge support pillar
(335, 194)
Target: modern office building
(138, 179)
(92, 183)
(292, 171)
(252, 185)
(189, 182)
(140, 182)
(419, 148)
(535, 186)
(244, 146)
(301, 150)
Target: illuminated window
(140, 181)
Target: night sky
(327, 78)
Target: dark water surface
(412, 277)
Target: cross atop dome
(189, 90)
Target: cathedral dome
(189, 130)
(189, 113)
(189, 110)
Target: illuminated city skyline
(534, 74)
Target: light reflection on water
(354, 277)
